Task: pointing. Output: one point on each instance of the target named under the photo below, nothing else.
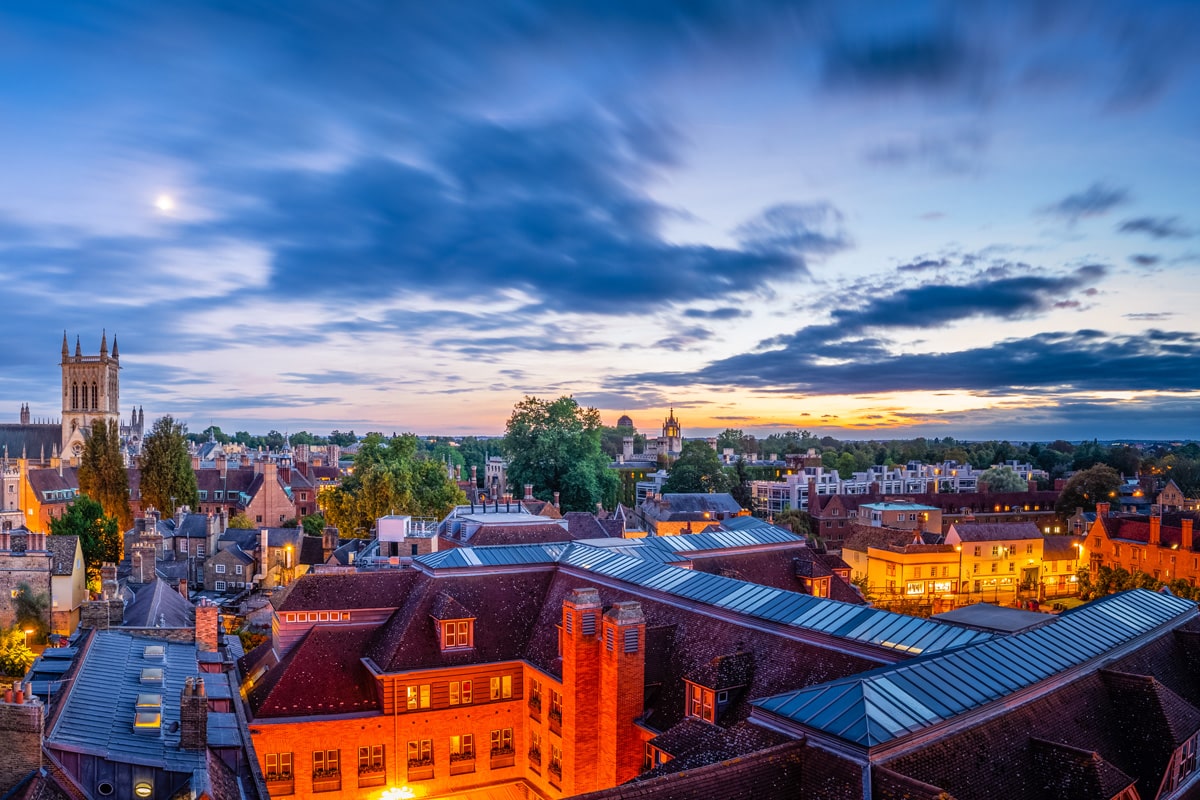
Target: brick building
(1162, 545)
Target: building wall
(270, 505)
(994, 571)
(31, 568)
(67, 595)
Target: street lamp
(27, 632)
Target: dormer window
(458, 633)
(701, 702)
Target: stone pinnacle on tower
(65, 353)
(78, 348)
(104, 343)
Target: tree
(698, 469)
(390, 477)
(241, 522)
(313, 524)
(740, 484)
(303, 437)
(15, 656)
(99, 535)
(730, 438)
(167, 477)
(1003, 479)
(102, 474)
(342, 439)
(32, 611)
(273, 440)
(1098, 484)
(555, 445)
(799, 521)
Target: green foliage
(102, 472)
(32, 611)
(1110, 580)
(15, 657)
(1097, 484)
(167, 468)
(304, 437)
(390, 477)
(799, 521)
(1003, 479)
(698, 469)
(290, 523)
(241, 522)
(251, 638)
(739, 478)
(313, 524)
(555, 445)
(342, 439)
(99, 535)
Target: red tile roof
(323, 673)
(359, 590)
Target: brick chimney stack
(207, 631)
(581, 711)
(1186, 526)
(193, 715)
(329, 542)
(622, 693)
(1155, 531)
(1102, 509)
(21, 731)
(528, 491)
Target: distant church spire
(78, 348)
(116, 355)
(65, 353)
(104, 343)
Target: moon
(164, 203)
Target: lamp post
(958, 547)
(27, 632)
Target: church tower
(673, 434)
(91, 391)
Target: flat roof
(989, 616)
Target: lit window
(502, 687)
(462, 748)
(460, 693)
(700, 702)
(420, 753)
(279, 766)
(502, 741)
(325, 763)
(370, 759)
(457, 633)
(418, 696)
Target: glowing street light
(398, 793)
(27, 632)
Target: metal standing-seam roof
(645, 566)
(886, 703)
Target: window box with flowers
(462, 763)
(535, 706)
(555, 720)
(372, 776)
(502, 757)
(280, 784)
(420, 769)
(555, 770)
(327, 780)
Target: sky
(867, 220)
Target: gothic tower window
(95, 396)
(74, 396)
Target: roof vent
(154, 652)
(147, 716)
(152, 675)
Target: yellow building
(998, 560)
(899, 568)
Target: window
(456, 633)
(1116, 551)
(700, 702)
(258, 518)
(891, 569)
(370, 759)
(238, 569)
(200, 550)
(535, 748)
(420, 752)
(279, 767)
(502, 741)
(555, 705)
(995, 551)
(460, 693)
(945, 572)
(219, 586)
(1029, 549)
(535, 693)
(219, 569)
(555, 765)
(462, 747)
(418, 696)
(995, 567)
(502, 687)
(325, 763)
(977, 550)
(183, 545)
(916, 572)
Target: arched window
(74, 396)
(95, 396)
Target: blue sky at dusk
(863, 219)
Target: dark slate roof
(49, 480)
(537, 533)
(997, 531)
(312, 550)
(446, 607)
(690, 505)
(1072, 773)
(990, 617)
(236, 553)
(34, 440)
(342, 554)
(773, 773)
(860, 536)
(585, 525)
(157, 605)
(1061, 548)
(96, 714)
(63, 550)
(725, 672)
(248, 538)
(192, 526)
(323, 673)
